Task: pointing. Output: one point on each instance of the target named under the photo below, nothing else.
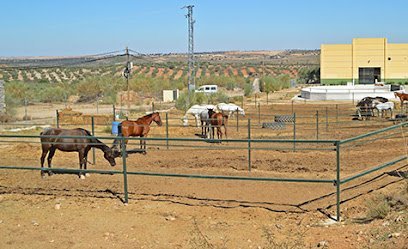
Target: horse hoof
(82, 177)
(42, 175)
(87, 175)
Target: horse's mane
(151, 114)
(146, 116)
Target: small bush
(230, 85)
(247, 90)
(5, 118)
(378, 208)
(107, 129)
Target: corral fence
(319, 124)
(346, 153)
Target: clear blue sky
(73, 27)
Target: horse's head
(109, 155)
(157, 119)
(210, 112)
(241, 111)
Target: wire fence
(269, 121)
(330, 162)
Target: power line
(86, 59)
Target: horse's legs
(49, 159)
(225, 128)
(219, 133)
(82, 161)
(43, 155)
(86, 160)
(141, 142)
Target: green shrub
(230, 85)
(378, 208)
(247, 90)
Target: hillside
(171, 66)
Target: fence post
(259, 113)
(167, 130)
(338, 183)
(294, 131)
(152, 106)
(237, 120)
(114, 112)
(317, 125)
(249, 144)
(327, 119)
(57, 117)
(125, 184)
(93, 134)
(292, 107)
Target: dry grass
(294, 241)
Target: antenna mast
(191, 21)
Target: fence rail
(334, 145)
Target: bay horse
(402, 97)
(53, 139)
(138, 128)
(217, 120)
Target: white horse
(230, 109)
(384, 107)
(196, 110)
(205, 123)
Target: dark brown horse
(402, 97)
(138, 128)
(53, 139)
(217, 120)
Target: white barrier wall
(355, 92)
(170, 95)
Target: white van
(207, 89)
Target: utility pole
(191, 78)
(126, 74)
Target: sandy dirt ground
(63, 211)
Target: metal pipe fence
(250, 144)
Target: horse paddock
(175, 212)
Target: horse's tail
(116, 141)
(115, 144)
(120, 129)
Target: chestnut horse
(54, 139)
(138, 128)
(402, 97)
(217, 120)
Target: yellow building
(364, 61)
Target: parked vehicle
(207, 89)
